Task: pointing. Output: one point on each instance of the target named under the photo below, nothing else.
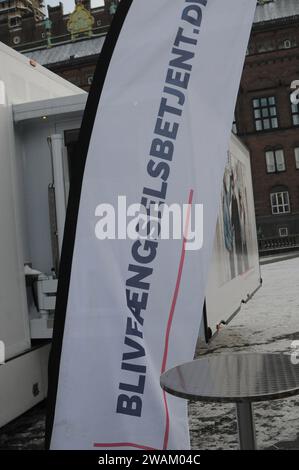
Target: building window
(275, 161)
(75, 80)
(295, 114)
(235, 127)
(287, 44)
(283, 232)
(296, 150)
(265, 47)
(280, 202)
(14, 21)
(16, 40)
(265, 113)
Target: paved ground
(268, 323)
(26, 432)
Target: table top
(240, 377)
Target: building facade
(13, 11)
(265, 119)
(15, 15)
(268, 122)
(67, 44)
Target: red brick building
(269, 124)
(68, 44)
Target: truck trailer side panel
(20, 82)
(235, 271)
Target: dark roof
(67, 51)
(276, 9)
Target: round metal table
(241, 378)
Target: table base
(246, 426)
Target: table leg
(246, 426)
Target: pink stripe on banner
(122, 444)
(171, 313)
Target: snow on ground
(268, 323)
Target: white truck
(23, 376)
(40, 117)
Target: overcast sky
(69, 5)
